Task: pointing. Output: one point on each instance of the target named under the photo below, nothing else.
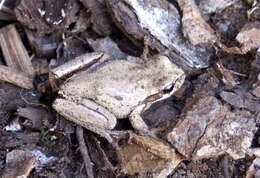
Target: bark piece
(210, 130)
(194, 27)
(148, 155)
(41, 159)
(35, 116)
(46, 16)
(15, 77)
(212, 6)
(43, 45)
(248, 37)
(14, 51)
(185, 136)
(18, 164)
(233, 136)
(101, 21)
(241, 99)
(158, 22)
(108, 46)
(12, 97)
(10, 140)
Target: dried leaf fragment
(148, 155)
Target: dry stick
(14, 51)
(34, 104)
(15, 77)
(84, 152)
(108, 164)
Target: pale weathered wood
(14, 51)
(15, 77)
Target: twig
(34, 104)
(108, 164)
(84, 152)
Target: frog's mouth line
(165, 93)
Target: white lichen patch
(41, 159)
(157, 20)
(14, 126)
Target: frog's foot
(137, 121)
(118, 136)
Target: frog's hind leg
(89, 115)
(81, 63)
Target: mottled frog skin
(117, 89)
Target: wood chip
(18, 164)
(14, 51)
(194, 27)
(15, 77)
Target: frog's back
(117, 85)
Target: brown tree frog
(117, 89)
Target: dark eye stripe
(168, 89)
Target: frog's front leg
(88, 114)
(137, 121)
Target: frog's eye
(168, 89)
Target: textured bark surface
(159, 22)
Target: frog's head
(169, 77)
